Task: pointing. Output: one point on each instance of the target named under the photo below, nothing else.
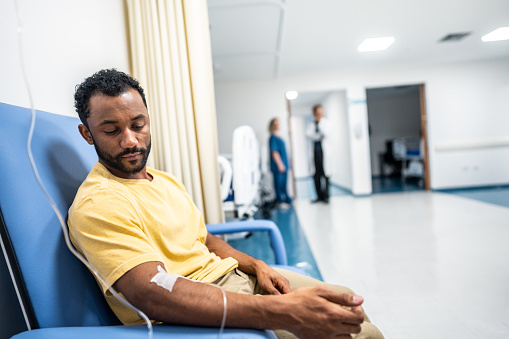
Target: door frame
(424, 135)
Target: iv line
(46, 193)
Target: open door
(398, 138)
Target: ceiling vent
(454, 37)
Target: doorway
(335, 107)
(398, 138)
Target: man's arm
(271, 281)
(314, 312)
(279, 162)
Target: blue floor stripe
(391, 185)
(306, 188)
(297, 248)
(497, 195)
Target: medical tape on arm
(164, 279)
(167, 281)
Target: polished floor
(429, 264)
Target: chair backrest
(61, 290)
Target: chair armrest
(276, 239)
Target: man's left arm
(270, 280)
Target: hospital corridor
(235, 169)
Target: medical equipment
(246, 171)
(226, 171)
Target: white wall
(63, 42)
(465, 101)
(335, 107)
(300, 147)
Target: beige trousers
(239, 282)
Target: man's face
(318, 113)
(119, 129)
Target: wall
(465, 102)
(335, 107)
(63, 42)
(301, 147)
(393, 113)
(470, 110)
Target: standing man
(318, 133)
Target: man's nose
(129, 139)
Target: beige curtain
(171, 57)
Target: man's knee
(368, 331)
(340, 289)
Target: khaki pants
(239, 282)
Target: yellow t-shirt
(118, 224)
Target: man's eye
(110, 132)
(138, 127)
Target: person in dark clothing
(317, 132)
(278, 163)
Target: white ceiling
(260, 39)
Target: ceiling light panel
(292, 95)
(376, 44)
(501, 33)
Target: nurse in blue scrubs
(278, 163)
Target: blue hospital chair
(59, 295)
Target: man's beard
(116, 161)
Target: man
(128, 219)
(318, 133)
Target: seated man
(128, 220)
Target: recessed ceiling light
(376, 44)
(291, 95)
(501, 33)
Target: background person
(278, 163)
(318, 133)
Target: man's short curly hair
(107, 81)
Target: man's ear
(85, 133)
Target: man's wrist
(255, 266)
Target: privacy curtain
(171, 57)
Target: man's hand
(270, 280)
(318, 312)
